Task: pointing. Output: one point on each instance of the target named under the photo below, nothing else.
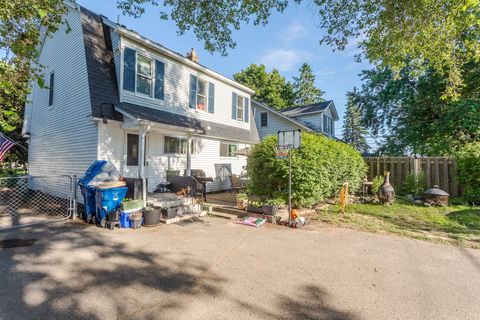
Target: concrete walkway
(214, 269)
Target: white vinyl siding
(177, 87)
(206, 157)
(275, 122)
(63, 137)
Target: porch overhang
(178, 122)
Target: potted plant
(131, 205)
(270, 206)
(242, 201)
(255, 207)
(136, 220)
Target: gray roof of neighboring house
(280, 114)
(208, 128)
(310, 108)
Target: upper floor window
(51, 84)
(202, 94)
(240, 107)
(143, 74)
(264, 119)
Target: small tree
(305, 91)
(354, 131)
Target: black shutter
(129, 61)
(234, 106)
(211, 97)
(50, 89)
(159, 79)
(192, 98)
(246, 110)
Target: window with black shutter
(50, 89)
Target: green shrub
(415, 184)
(318, 170)
(376, 184)
(468, 161)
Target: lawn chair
(236, 184)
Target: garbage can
(88, 192)
(106, 200)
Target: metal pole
(289, 187)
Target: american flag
(5, 145)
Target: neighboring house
(118, 96)
(318, 117)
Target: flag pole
(14, 142)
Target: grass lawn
(457, 224)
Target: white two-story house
(115, 95)
(319, 118)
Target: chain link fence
(32, 199)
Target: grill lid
(435, 191)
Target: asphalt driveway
(214, 269)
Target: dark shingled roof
(297, 111)
(102, 78)
(207, 128)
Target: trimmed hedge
(319, 169)
(468, 161)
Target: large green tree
(354, 132)
(270, 87)
(443, 32)
(410, 115)
(21, 24)
(305, 90)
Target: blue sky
(285, 43)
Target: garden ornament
(386, 193)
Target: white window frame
(151, 78)
(242, 108)
(193, 146)
(228, 149)
(204, 96)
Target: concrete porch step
(227, 212)
(168, 200)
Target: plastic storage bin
(108, 200)
(124, 220)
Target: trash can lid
(94, 169)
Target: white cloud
(325, 73)
(284, 59)
(294, 32)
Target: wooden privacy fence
(438, 171)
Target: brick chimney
(192, 55)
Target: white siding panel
(63, 137)
(177, 79)
(207, 157)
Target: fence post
(74, 197)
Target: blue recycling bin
(88, 192)
(107, 200)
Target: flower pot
(255, 209)
(151, 216)
(136, 224)
(269, 209)
(242, 204)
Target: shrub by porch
(319, 168)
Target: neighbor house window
(228, 149)
(264, 119)
(51, 84)
(240, 106)
(179, 146)
(132, 150)
(142, 74)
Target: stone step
(172, 212)
(170, 203)
(228, 212)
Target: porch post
(141, 160)
(189, 156)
